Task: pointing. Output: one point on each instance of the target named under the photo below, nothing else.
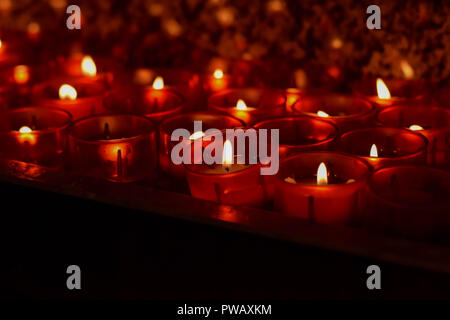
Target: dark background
(126, 254)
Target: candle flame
(67, 92)
(415, 127)
(322, 174)
(197, 135)
(25, 129)
(26, 135)
(21, 74)
(88, 66)
(240, 105)
(0, 43)
(322, 114)
(218, 74)
(374, 151)
(382, 90)
(158, 83)
(227, 156)
(407, 70)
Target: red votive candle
(81, 97)
(119, 148)
(182, 82)
(209, 120)
(387, 92)
(412, 201)
(35, 135)
(382, 147)
(153, 102)
(432, 122)
(229, 182)
(101, 69)
(250, 105)
(321, 186)
(345, 111)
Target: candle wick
(106, 131)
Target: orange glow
(88, 67)
(197, 135)
(0, 44)
(227, 156)
(21, 74)
(322, 174)
(407, 70)
(415, 127)
(240, 105)
(158, 83)
(322, 114)
(67, 92)
(218, 74)
(111, 151)
(26, 135)
(374, 151)
(382, 90)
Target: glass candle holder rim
(363, 101)
(61, 126)
(255, 110)
(330, 138)
(406, 108)
(165, 124)
(410, 166)
(358, 180)
(111, 93)
(422, 148)
(152, 128)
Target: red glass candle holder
(345, 111)
(393, 146)
(259, 104)
(105, 69)
(34, 135)
(119, 148)
(156, 104)
(401, 91)
(412, 201)
(432, 122)
(340, 200)
(89, 98)
(180, 81)
(236, 184)
(186, 121)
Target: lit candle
(382, 147)
(387, 92)
(249, 104)
(209, 120)
(35, 135)
(324, 187)
(228, 182)
(155, 102)
(80, 97)
(345, 111)
(430, 121)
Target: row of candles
(117, 126)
